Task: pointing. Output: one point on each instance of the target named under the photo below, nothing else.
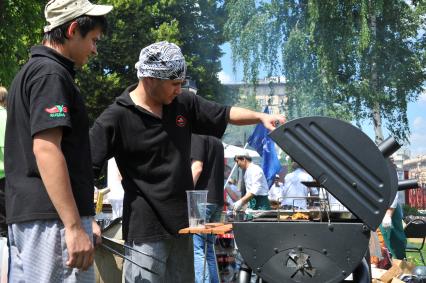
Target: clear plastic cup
(197, 201)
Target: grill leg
(244, 275)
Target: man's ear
(72, 29)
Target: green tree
(21, 24)
(356, 59)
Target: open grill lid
(345, 161)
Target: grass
(414, 257)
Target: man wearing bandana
(148, 131)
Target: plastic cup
(197, 201)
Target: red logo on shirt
(57, 111)
(180, 121)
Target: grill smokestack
(389, 146)
(407, 184)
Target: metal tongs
(118, 249)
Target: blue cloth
(263, 144)
(213, 212)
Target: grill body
(346, 162)
(302, 251)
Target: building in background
(415, 168)
(398, 158)
(269, 92)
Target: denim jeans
(211, 275)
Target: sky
(416, 110)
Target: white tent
(232, 150)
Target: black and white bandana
(161, 60)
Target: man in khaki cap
(49, 189)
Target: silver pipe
(133, 249)
(126, 258)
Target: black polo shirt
(209, 150)
(153, 156)
(42, 96)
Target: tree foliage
(21, 24)
(352, 59)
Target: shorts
(38, 253)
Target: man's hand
(270, 120)
(97, 237)
(387, 221)
(80, 248)
(238, 205)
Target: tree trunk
(377, 122)
(376, 113)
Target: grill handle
(389, 146)
(408, 184)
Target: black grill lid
(344, 160)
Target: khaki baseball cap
(58, 12)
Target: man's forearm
(54, 173)
(242, 116)
(390, 211)
(196, 169)
(248, 196)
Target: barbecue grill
(342, 159)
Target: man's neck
(61, 49)
(141, 98)
(247, 165)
